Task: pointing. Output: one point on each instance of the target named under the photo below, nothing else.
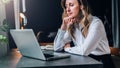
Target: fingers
(70, 22)
(67, 22)
(67, 45)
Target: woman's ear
(81, 7)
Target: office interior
(44, 17)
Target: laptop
(28, 45)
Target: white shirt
(95, 43)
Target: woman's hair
(83, 17)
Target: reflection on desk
(47, 47)
(14, 59)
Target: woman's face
(72, 8)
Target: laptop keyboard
(48, 55)
(48, 51)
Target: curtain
(115, 23)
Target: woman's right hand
(67, 22)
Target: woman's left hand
(67, 45)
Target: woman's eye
(71, 4)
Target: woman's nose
(68, 9)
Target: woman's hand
(67, 45)
(67, 22)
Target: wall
(43, 15)
(116, 22)
(2, 12)
(11, 19)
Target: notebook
(28, 45)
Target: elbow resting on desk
(73, 50)
(58, 48)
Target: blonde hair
(83, 17)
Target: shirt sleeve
(90, 43)
(61, 39)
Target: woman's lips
(69, 14)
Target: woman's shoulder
(95, 19)
(95, 22)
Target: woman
(86, 31)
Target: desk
(15, 59)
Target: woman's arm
(63, 36)
(61, 39)
(96, 31)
